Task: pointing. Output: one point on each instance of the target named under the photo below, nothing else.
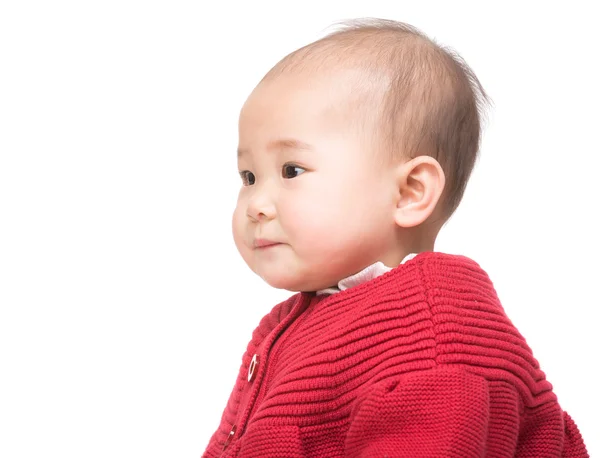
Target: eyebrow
(281, 144)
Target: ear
(420, 184)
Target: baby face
(315, 205)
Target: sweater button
(231, 433)
(253, 368)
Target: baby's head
(354, 149)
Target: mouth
(264, 244)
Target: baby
(353, 153)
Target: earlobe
(421, 184)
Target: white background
(125, 308)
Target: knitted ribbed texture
(419, 362)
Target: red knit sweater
(419, 362)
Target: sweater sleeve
(440, 412)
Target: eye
(248, 177)
(291, 171)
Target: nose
(261, 204)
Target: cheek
(333, 205)
(297, 212)
(238, 226)
(336, 218)
(312, 221)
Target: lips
(264, 243)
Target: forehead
(296, 104)
(280, 144)
(289, 98)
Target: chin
(283, 282)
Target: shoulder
(452, 279)
(437, 261)
(471, 329)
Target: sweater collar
(365, 275)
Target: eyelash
(245, 174)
